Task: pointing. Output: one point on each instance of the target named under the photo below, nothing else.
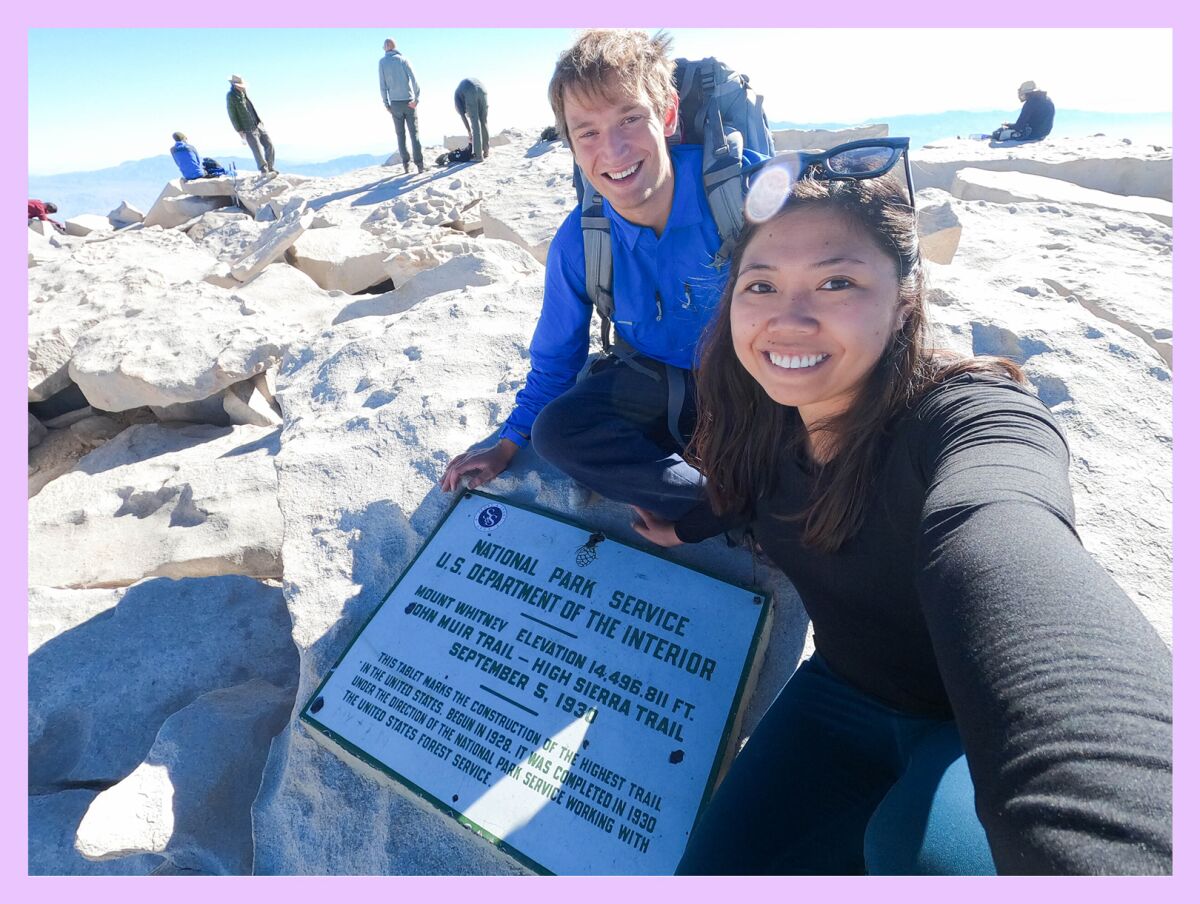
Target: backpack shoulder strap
(723, 182)
(598, 259)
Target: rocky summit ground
(242, 398)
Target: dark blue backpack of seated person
(212, 168)
(718, 111)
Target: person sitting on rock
(41, 210)
(983, 697)
(186, 158)
(1036, 119)
(618, 430)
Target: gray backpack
(718, 111)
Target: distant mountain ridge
(140, 181)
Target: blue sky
(98, 97)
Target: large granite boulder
(973, 184)
(125, 214)
(245, 332)
(88, 224)
(158, 500)
(1104, 164)
(100, 691)
(189, 800)
(119, 278)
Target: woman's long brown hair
(742, 435)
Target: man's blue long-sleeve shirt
(665, 289)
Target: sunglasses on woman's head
(867, 158)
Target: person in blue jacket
(615, 102)
(186, 158)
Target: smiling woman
(983, 697)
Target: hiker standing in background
(247, 123)
(470, 100)
(400, 92)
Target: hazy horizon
(317, 89)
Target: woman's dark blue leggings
(833, 781)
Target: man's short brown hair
(610, 63)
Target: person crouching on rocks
(983, 696)
(41, 210)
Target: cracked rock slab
(274, 241)
(179, 502)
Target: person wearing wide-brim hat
(247, 123)
(1036, 119)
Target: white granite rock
(174, 206)
(939, 229)
(527, 208)
(87, 224)
(1103, 164)
(214, 187)
(189, 800)
(227, 234)
(188, 501)
(257, 191)
(125, 214)
(53, 611)
(53, 819)
(347, 260)
(41, 251)
(460, 141)
(71, 437)
(277, 238)
(245, 331)
(973, 184)
(100, 691)
(250, 402)
(119, 278)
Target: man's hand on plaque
(655, 529)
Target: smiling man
(619, 430)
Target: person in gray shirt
(470, 100)
(401, 93)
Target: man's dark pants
(405, 116)
(475, 109)
(262, 149)
(609, 432)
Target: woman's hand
(655, 529)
